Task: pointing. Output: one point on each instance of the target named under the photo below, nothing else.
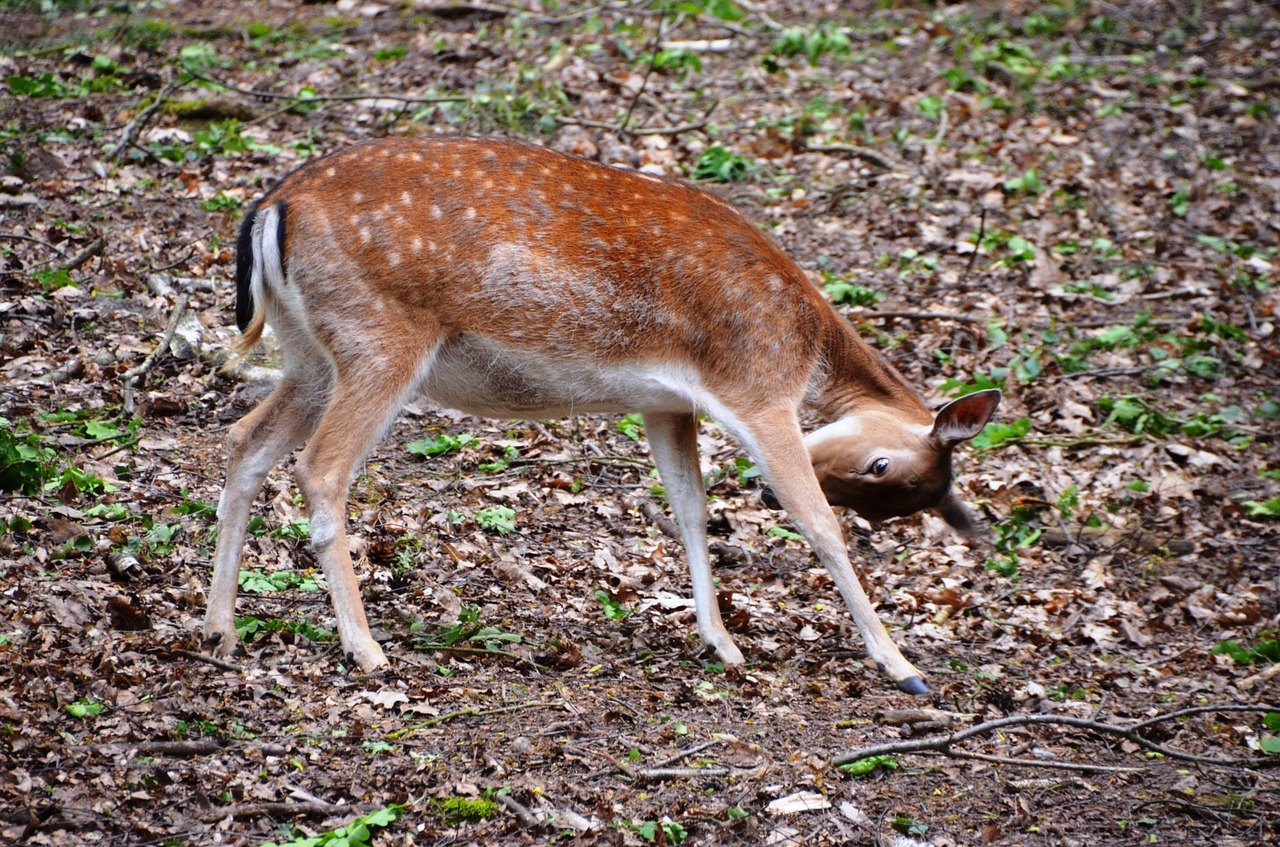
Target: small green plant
(75, 482)
(1028, 183)
(1136, 415)
(1265, 651)
(931, 106)
(784, 533)
(358, 833)
(842, 292)
(258, 582)
(469, 628)
(813, 44)
(375, 748)
(441, 444)
(250, 627)
(632, 426)
(909, 826)
(44, 85)
(613, 610)
(51, 279)
(85, 708)
(720, 164)
(1012, 534)
(862, 767)
(670, 831)
(221, 202)
(499, 519)
(1263, 510)
(997, 432)
(26, 463)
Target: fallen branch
(131, 376)
(473, 713)
(208, 660)
(329, 98)
(140, 120)
(944, 744)
(516, 808)
(928, 316)
(660, 774)
(94, 248)
(290, 810)
(866, 154)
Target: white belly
(482, 377)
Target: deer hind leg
(779, 448)
(364, 405)
(254, 446)
(673, 441)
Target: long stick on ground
(944, 743)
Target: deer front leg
(780, 450)
(673, 441)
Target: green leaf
(441, 444)
(997, 432)
(499, 519)
(1266, 510)
(1270, 744)
(862, 767)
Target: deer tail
(259, 268)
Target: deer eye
(879, 466)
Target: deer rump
(505, 280)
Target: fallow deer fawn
(506, 280)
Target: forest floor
(1075, 201)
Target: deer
(506, 280)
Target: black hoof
(769, 499)
(914, 686)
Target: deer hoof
(914, 686)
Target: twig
(516, 808)
(478, 651)
(13, 236)
(659, 519)
(684, 754)
(667, 130)
(658, 774)
(208, 660)
(943, 744)
(132, 375)
(329, 98)
(141, 119)
(977, 245)
(653, 64)
(1041, 763)
(865, 153)
(928, 316)
(290, 810)
(473, 713)
(94, 248)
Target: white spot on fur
(471, 213)
(393, 259)
(365, 235)
(417, 244)
(331, 172)
(357, 197)
(436, 214)
(406, 198)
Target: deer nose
(769, 499)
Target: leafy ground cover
(1076, 201)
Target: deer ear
(957, 513)
(964, 417)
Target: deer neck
(854, 378)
